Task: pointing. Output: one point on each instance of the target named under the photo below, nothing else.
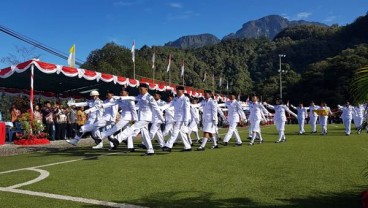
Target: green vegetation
(306, 171)
(321, 62)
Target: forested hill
(320, 62)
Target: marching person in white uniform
(313, 116)
(346, 116)
(146, 105)
(280, 118)
(181, 106)
(209, 120)
(108, 119)
(128, 114)
(302, 115)
(156, 122)
(169, 116)
(324, 112)
(235, 113)
(358, 115)
(93, 117)
(255, 117)
(195, 120)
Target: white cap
(94, 93)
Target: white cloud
(330, 19)
(303, 15)
(184, 15)
(121, 3)
(284, 15)
(175, 5)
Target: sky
(90, 24)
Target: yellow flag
(71, 58)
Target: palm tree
(360, 85)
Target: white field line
(68, 198)
(43, 174)
(57, 163)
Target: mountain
(268, 26)
(194, 41)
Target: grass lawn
(306, 171)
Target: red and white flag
(153, 60)
(169, 64)
(133, 51)
(182, 69)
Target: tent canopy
(65, 81)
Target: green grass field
(306, 171)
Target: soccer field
(306, 171)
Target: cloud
(175, 5)
(183, 16)
(284, 15)
(303, 15)
(121, 3)
(330, 19)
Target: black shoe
(131, 150)
(186, 150)
(251, 144)
(113, 148)
(249, 138)
(98, 141)
(215, 147)
(238, 145)
(166, 149)
(224, 143)
(115, 142)
(200, 149)
(277, 141)
(125, 142)
(142, 146)
(148, 154)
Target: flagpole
(213, 79)
(134, 69)
(170, 78)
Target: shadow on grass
(203, 199)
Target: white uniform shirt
(147, 105)
(181, 109)
(256, 111)
(111, 112)
(209, 109)
(235, 111)
(97, 114)
(311, 109)
(347, 111)
(155, 117)
(280, 110)
(301, 111)
(169, 114)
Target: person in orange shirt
(81, 117)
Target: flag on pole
(133, 51)
(169, 64)
(153, 60)
(220, 82)
(71, 58)
(182, 70)
(204, 76)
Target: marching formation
(181, 115)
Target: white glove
(87, 111)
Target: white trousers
(347, 124)
(233, 130)
(176, 131)
(168, 129)
(280, 126)
(323, 120)
(301, 121)
(358, 121)
(119, 125)
(141, 126)
(156, 130)
(313, 123)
